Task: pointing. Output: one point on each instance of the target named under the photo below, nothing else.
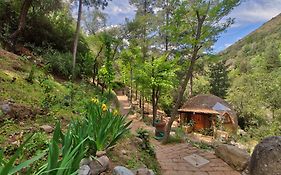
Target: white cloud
(118, 10)
(254, 11)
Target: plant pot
(160, 125)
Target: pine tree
(272, 57)
(219, 81)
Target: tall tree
(219, 81)
(196, 26)
(162, 77)
(96, 4)
(26, 4)
(272, 57)
(75, 43)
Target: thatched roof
(208, 104)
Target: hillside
(31, 97)
(254, 72)
(256, 43)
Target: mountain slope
(256, 43)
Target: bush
(60, 63)
(144, 136)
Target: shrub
(144, 136)
(60, 63)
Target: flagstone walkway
(171, 157)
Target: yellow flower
(95, 100)
(103, 107)
(115, 112)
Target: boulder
(234, 156)
(47, 128)
(266, 158)
(85, 161)
(120, 170)
(99, 165)
(144, 171)
(84, 170)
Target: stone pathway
(172, 157)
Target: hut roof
(208, 104)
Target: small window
(226, 118)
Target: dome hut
(207, 111)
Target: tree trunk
(191, 85)
(131, 84)
(140, 100)
(179, 98)
(167, 23)
(155, 99)
(22, 22)
(136, 98)
(142, 106)
(95, 67)
(76, 37)
(154, 107)
(188, 74)
(95, 73)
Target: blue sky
(249, 15)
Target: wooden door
(199, 121)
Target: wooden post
(214, 125)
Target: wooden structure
(207, 111)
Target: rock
(47, 128)
(124, 152)
(100, 153)
(266, 158)
(234, 156)
(84, 170)
(85, 161)
(99, 165)
(5, 108)
(144, 171)
(120, 170)
(138, 141)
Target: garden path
(171, 157)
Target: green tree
(272, 57)
(162, 78)
(219, 81)
(195, 26)
(95, 3)
(129, 59)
